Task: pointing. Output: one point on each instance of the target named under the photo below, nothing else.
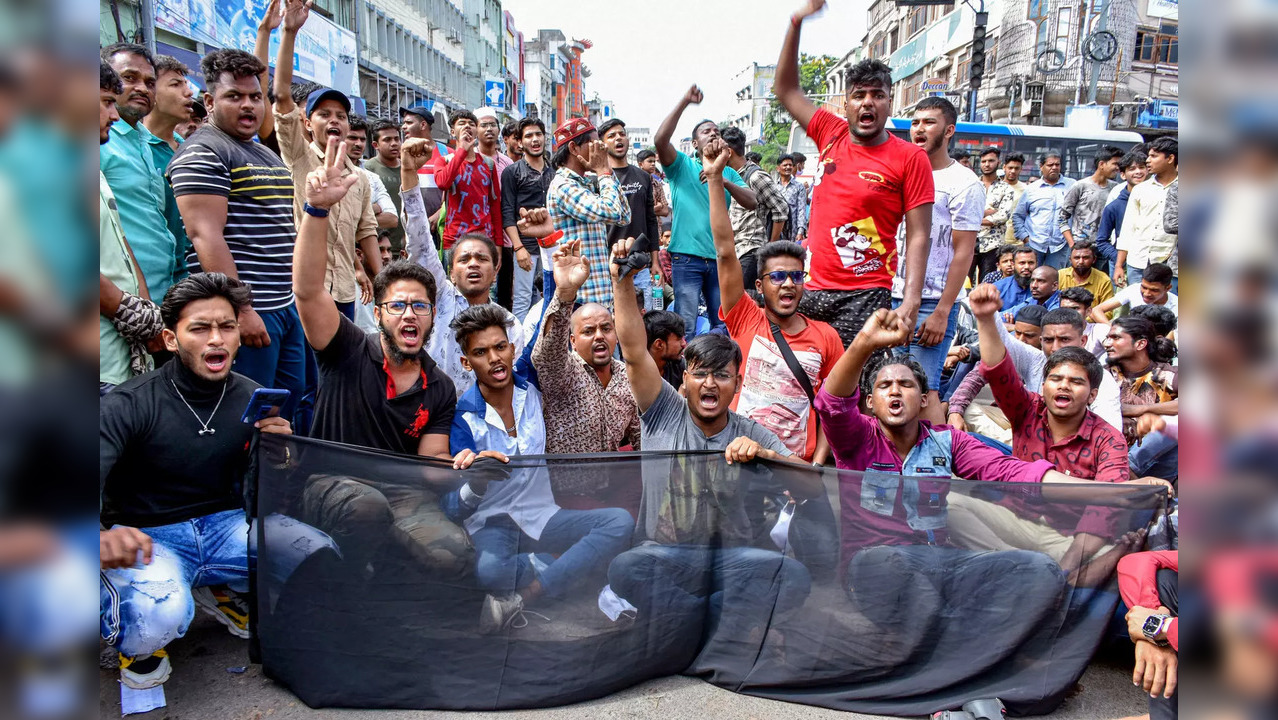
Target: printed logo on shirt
(938, 461)
(859, 246)
(420, 420)
(871, 176)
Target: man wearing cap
(418, 121)
(584, 199)
(696, 273)
(351, 222)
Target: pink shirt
(883, 508)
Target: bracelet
(314, 211)
(795, 21)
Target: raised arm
(786, 83)
(413, 155)
(262, 51)
(985, 303)
(666, 152)
(295, 14)
(645, 378)
(553, 350)
(324, 188)
(884, 329)
(447, 169)
(731, 288)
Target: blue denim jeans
(932, 358)
(1058, 258)
(145, 607)
(680, 582)
(695, 278)
(525, 293)
(585, 540)
(1134, 275)
(283, 363)
(1156, 454)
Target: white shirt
(960, 205)
(1131, 297)
(1142, 234)
(449, 302)
(526, 497)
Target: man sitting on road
(525, 544)
(172, 457)
(666, 344)
(1080, 300)
(1044, 291)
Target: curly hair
(476, 319)
(869, 73)
(237, 63)
(870, 374)
(111, 79)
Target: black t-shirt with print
(357, 404)
(636, 185)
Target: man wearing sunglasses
(787, 354)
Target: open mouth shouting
(600, 351)
(865, 119)
(410, 334)
(248, 120)
(499, 372)
(708, 400)
(787, 300)
(1062, 401)
(334, 131)
(216, 360)
(896, 407)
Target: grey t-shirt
(695, 499)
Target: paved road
(201, 688)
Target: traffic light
(977, 64)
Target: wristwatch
(1153, 626)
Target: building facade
(412, 51)
(753, 99)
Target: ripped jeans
(145, 607)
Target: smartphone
(265, 403)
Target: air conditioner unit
(453, 35)
(1032, 99)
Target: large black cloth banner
(884, 594)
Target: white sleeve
(377, 188)
(967, 209)
(1028, 360)
(1107, 404)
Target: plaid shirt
(584, 207)
(796, 196)
(753, 228)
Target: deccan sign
(934, 86)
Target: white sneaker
(498, 613)
(147, 672)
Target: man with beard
(129, 167)
(1036, 219)
(786, 354)
(172, 455)
(691, 244)
(1000, 200)
(1044, 291)
(523, 187)
(1015, 288)
(1082, 273)
(589, 404)
(867, 181)
(1012, 166)
(128, 319)
(473, 270)
(526, 546)
(637, 187)
(1140, 361)
(172, 107)
(956, 218)
(584, 199)
(326, 116)
(1081, 209)
(240, 228)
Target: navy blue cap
(422, 109)
(322, 94)
(1031, 314)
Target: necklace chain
(205, 429)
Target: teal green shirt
(161, 154)
(690, 198)
(140, 192)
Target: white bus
(1075, 147)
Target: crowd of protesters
(462, 300)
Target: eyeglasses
(397, 307)
(720, 375)
(778, 276)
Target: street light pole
(1104, 22)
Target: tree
(776, 125)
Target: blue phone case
(263, 401)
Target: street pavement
(203, 687)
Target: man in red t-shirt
(469, 183)
(771, 393)
(866, 180)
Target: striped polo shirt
(259, 214)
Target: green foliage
(776, 126)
